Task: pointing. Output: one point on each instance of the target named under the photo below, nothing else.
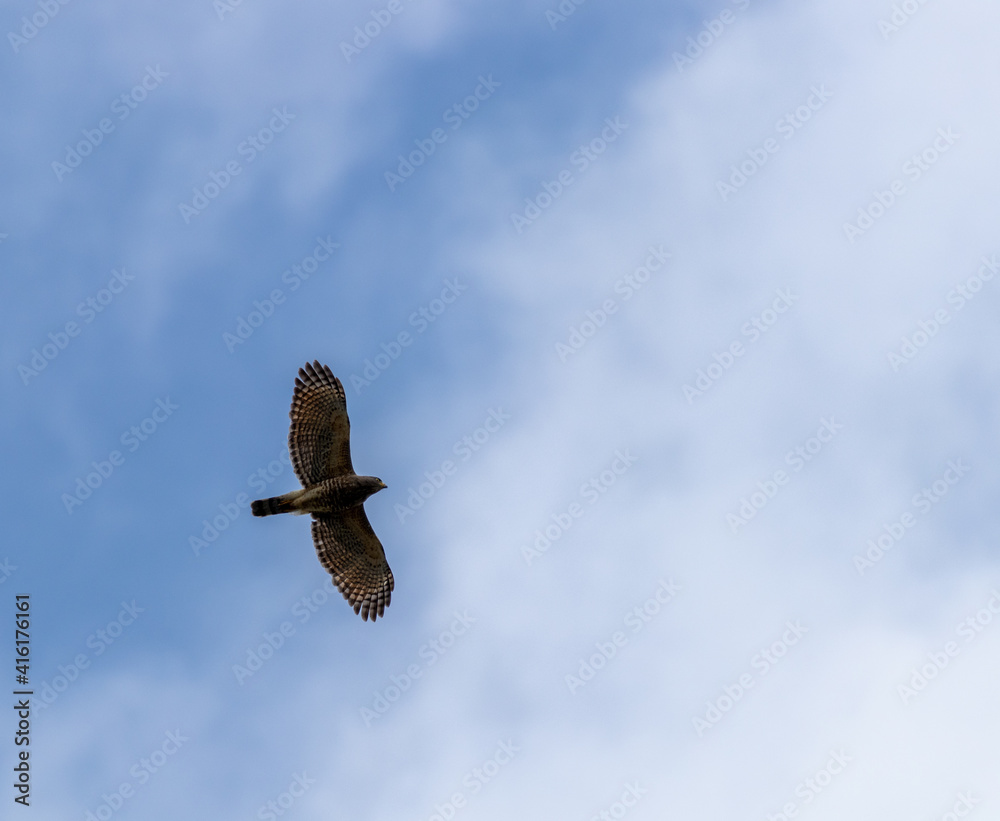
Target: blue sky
(699, 301)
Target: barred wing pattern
(319, 446)
(351, 552)
(319, 440)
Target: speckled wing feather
(351, 552)
(319, 440)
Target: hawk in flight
(319, 444)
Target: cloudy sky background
(311, 710)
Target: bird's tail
(276, 504)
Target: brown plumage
(319, 444)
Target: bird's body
(320, 449)
(329, 496)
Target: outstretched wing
(351, 552)
(319, 440)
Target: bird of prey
(319, 444)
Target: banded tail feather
(276, 504)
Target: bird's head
(368, 486)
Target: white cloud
(662, 518)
